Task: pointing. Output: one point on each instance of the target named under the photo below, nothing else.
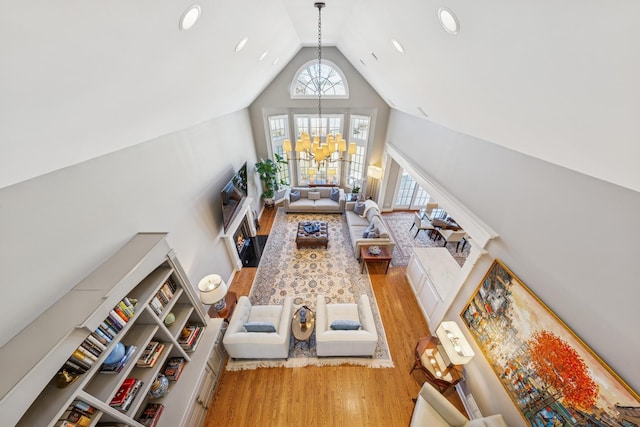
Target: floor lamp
(375, 173)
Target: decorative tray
(374, 250)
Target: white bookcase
(32, 359)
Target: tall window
(279, 131)
(410, 195)
(359, 133)
(308, 171)
(329, 81)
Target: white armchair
(360, 342)
(434, 410)
(241, 344)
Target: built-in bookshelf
(123, 306)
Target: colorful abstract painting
(551, 375)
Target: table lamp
(213, 291)
(454, 344)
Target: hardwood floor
(331, 396)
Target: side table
(383, 256)
(302, 331)
(231, 299)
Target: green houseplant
(268, 171)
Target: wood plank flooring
(331, 396)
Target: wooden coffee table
(383, 256)
(302, 331)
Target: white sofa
(323, 205)
(432, 409)
(358, 224)
(361, 342)
(241, 344)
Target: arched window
(331, 82)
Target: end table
(231, 299)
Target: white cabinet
(138, 271)
(435, 278)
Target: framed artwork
(551, 375)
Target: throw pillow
(373, 234)
(259, 327)
(358, 208)
(345, 325)
(314, 195)
(294, 196)
(367, 230)
(335, 194)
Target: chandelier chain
(319, 76)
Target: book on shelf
(126, 394)
(97, 341)
(91, 348)
(150, 354)
(113, 324)
(78, 414)
(114, 368)
(190, 337)
(174, 367)
(151, 414)
(121, 314)
(117, 319)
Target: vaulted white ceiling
(555, 80)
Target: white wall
(571, 238)
(57, 228)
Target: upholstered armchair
(421, 224)
(453, 236)
(432, 409)
(345, 342)
(240, 343)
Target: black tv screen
(233, 194)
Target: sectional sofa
(370, 221)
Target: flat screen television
(233, 194)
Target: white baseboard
(469, 403)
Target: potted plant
(355, 190)
(268, 171)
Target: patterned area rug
(398, 224)
(305, 273)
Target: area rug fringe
(301, 362)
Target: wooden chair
(448, 377)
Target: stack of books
(190, 337)
(162, 297)
(151, 414)
(78, 414)
(88, 352)
(150, 354)
(126, 394)
(114, 368)
(173, 368)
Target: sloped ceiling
(558, 81)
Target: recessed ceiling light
(189, 17)
(448, 20)
(275, 61)
(397, 45)
(241, 44)
(374, 56)
(422, 111)
(264, 55)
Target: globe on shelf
(116, 354)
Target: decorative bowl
(374, 250)
(159, 387)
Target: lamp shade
(352, 148)
(212, 289)
(286, 145)
(311, 171)
(454, 343)
(374, 172)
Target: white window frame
(313, 65)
